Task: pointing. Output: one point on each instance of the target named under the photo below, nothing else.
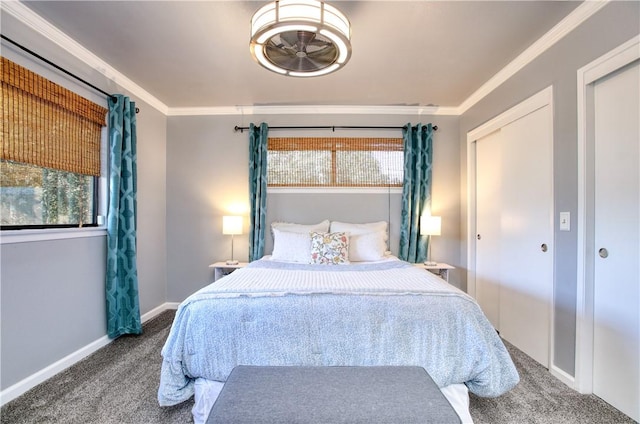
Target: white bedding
(387, 313)
(391, 277)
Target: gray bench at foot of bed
(259, 395)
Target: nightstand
(440, 269)
(220, 269)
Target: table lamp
(430, 226)
(232, 225)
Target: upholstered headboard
(309, 208)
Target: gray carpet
(118, 384)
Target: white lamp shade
(430, 225)
(232, 225)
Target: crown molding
(312, 110)
(580, 14)
(34, 21)
(43, 27)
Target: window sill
(336, 190)
(25, 236)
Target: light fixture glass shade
(430, 225)
(300, 38)
(231, 225)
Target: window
(335, 162)
(49, 153)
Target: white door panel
(527, 234)
(488, 195)
(616, 354)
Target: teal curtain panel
(123, 304)
(416, 190)
(257, 188)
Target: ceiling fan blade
(287, 59)
(325, 56)
(319, 43)
(289, 37)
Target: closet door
(527, 234)
(616, 367)
(489, 205)
(514, 225)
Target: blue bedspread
(381, 314)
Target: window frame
(20, 234)
(94, 214)
(336, 144)
(13, 234)
(61, 232)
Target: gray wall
(615, 24)
(52, 292)
(207, 177)
(192, 170)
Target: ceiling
(407, 53)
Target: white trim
(157, 311)
(22, 236)
(552, 212)
(46, 373)
(555, 34)
(586, 76)
(43, 27)
(540, 99)
(171, 305)
(46, 29)
(563, 376)
(334, 190)
(611, 62)
(313, 110)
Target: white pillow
(321, 227)
(367, 247)
(356, 229)
(291, 246)
(368, 242)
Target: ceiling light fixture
(300, 38)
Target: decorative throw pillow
(329, 248)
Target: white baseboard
(46, 373)
(158, 310)
(171, 305)
(563, 376)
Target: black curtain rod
(60, 68)
(332, 128)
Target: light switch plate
(565, 221)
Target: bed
(375, 312)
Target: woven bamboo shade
(46, 125)
(335, 162)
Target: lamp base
(429, 263)
(232, 262)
